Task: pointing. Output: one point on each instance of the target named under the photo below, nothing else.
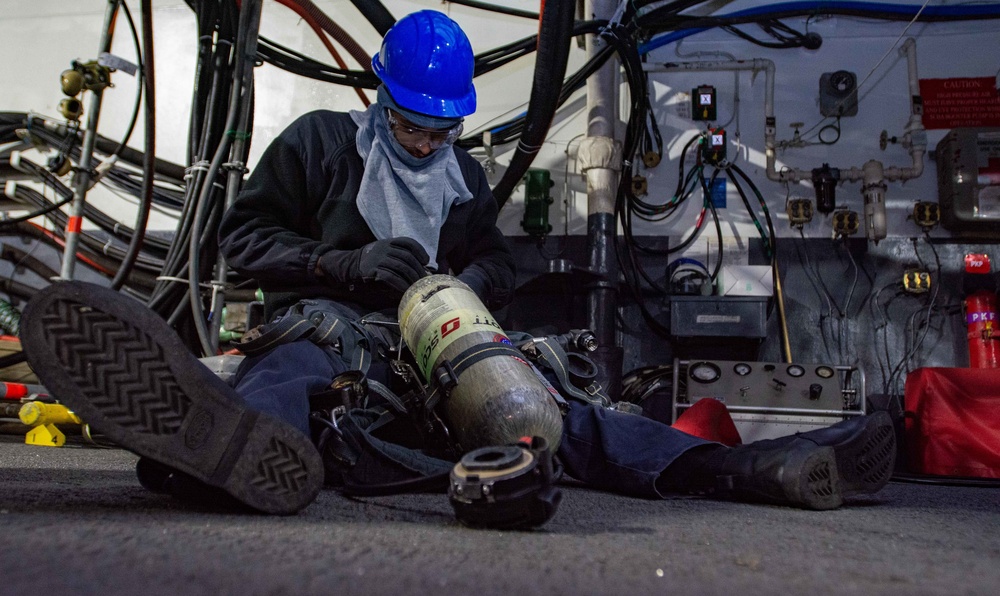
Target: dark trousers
(622, 453)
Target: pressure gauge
(742, 369)
(824, 372)
(795, 371)
(705, 372)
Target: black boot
(814, 470)
(153, 475)
(800, 473)
(864, 446)
(121, 368)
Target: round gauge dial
(705, 372)
(742, 369)
(824, 372)
(795, 371)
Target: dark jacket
(300, 203)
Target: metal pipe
(600, 156)
(82, 177)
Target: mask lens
(411, 136)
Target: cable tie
(107, 245)
(182, 280)
(532, 149)
(616, 18)
(218, 284)
(201, 166)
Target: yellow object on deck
(44, 418)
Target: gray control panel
(765, 386)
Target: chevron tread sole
(122, 369)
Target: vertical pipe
(82, 178)
(602, 189)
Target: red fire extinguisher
(981, 314)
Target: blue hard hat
(426, 62)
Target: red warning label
(960, 102)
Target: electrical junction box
(704, 107)
(968, 165)
(745, 280)
(771, 399)
(718, 316)
(713, 149)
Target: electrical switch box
(968, 166)
(703, 100)
(713, 148)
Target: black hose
(20, 258)
(239, 104)
(376, 14)
(138, 83)
(32, 214)
(148, 163)
(555, 35)
(495, 8)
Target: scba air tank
(498, 399)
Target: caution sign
(960, 102)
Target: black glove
(397, 262)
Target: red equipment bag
(953, 421)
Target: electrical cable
(239, 104)
(217, 27)
(666, 18)
(930, 306)
(319, 23)
(142, 217)
(20, 258)
(19, 193)
(116, 153)
(496, 8)
(376, 14)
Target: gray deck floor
(75, 521)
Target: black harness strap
(267, 337)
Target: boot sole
(865, 460)
(125, 372)
(818, 483)
(807, 478)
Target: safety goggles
(411, 136)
